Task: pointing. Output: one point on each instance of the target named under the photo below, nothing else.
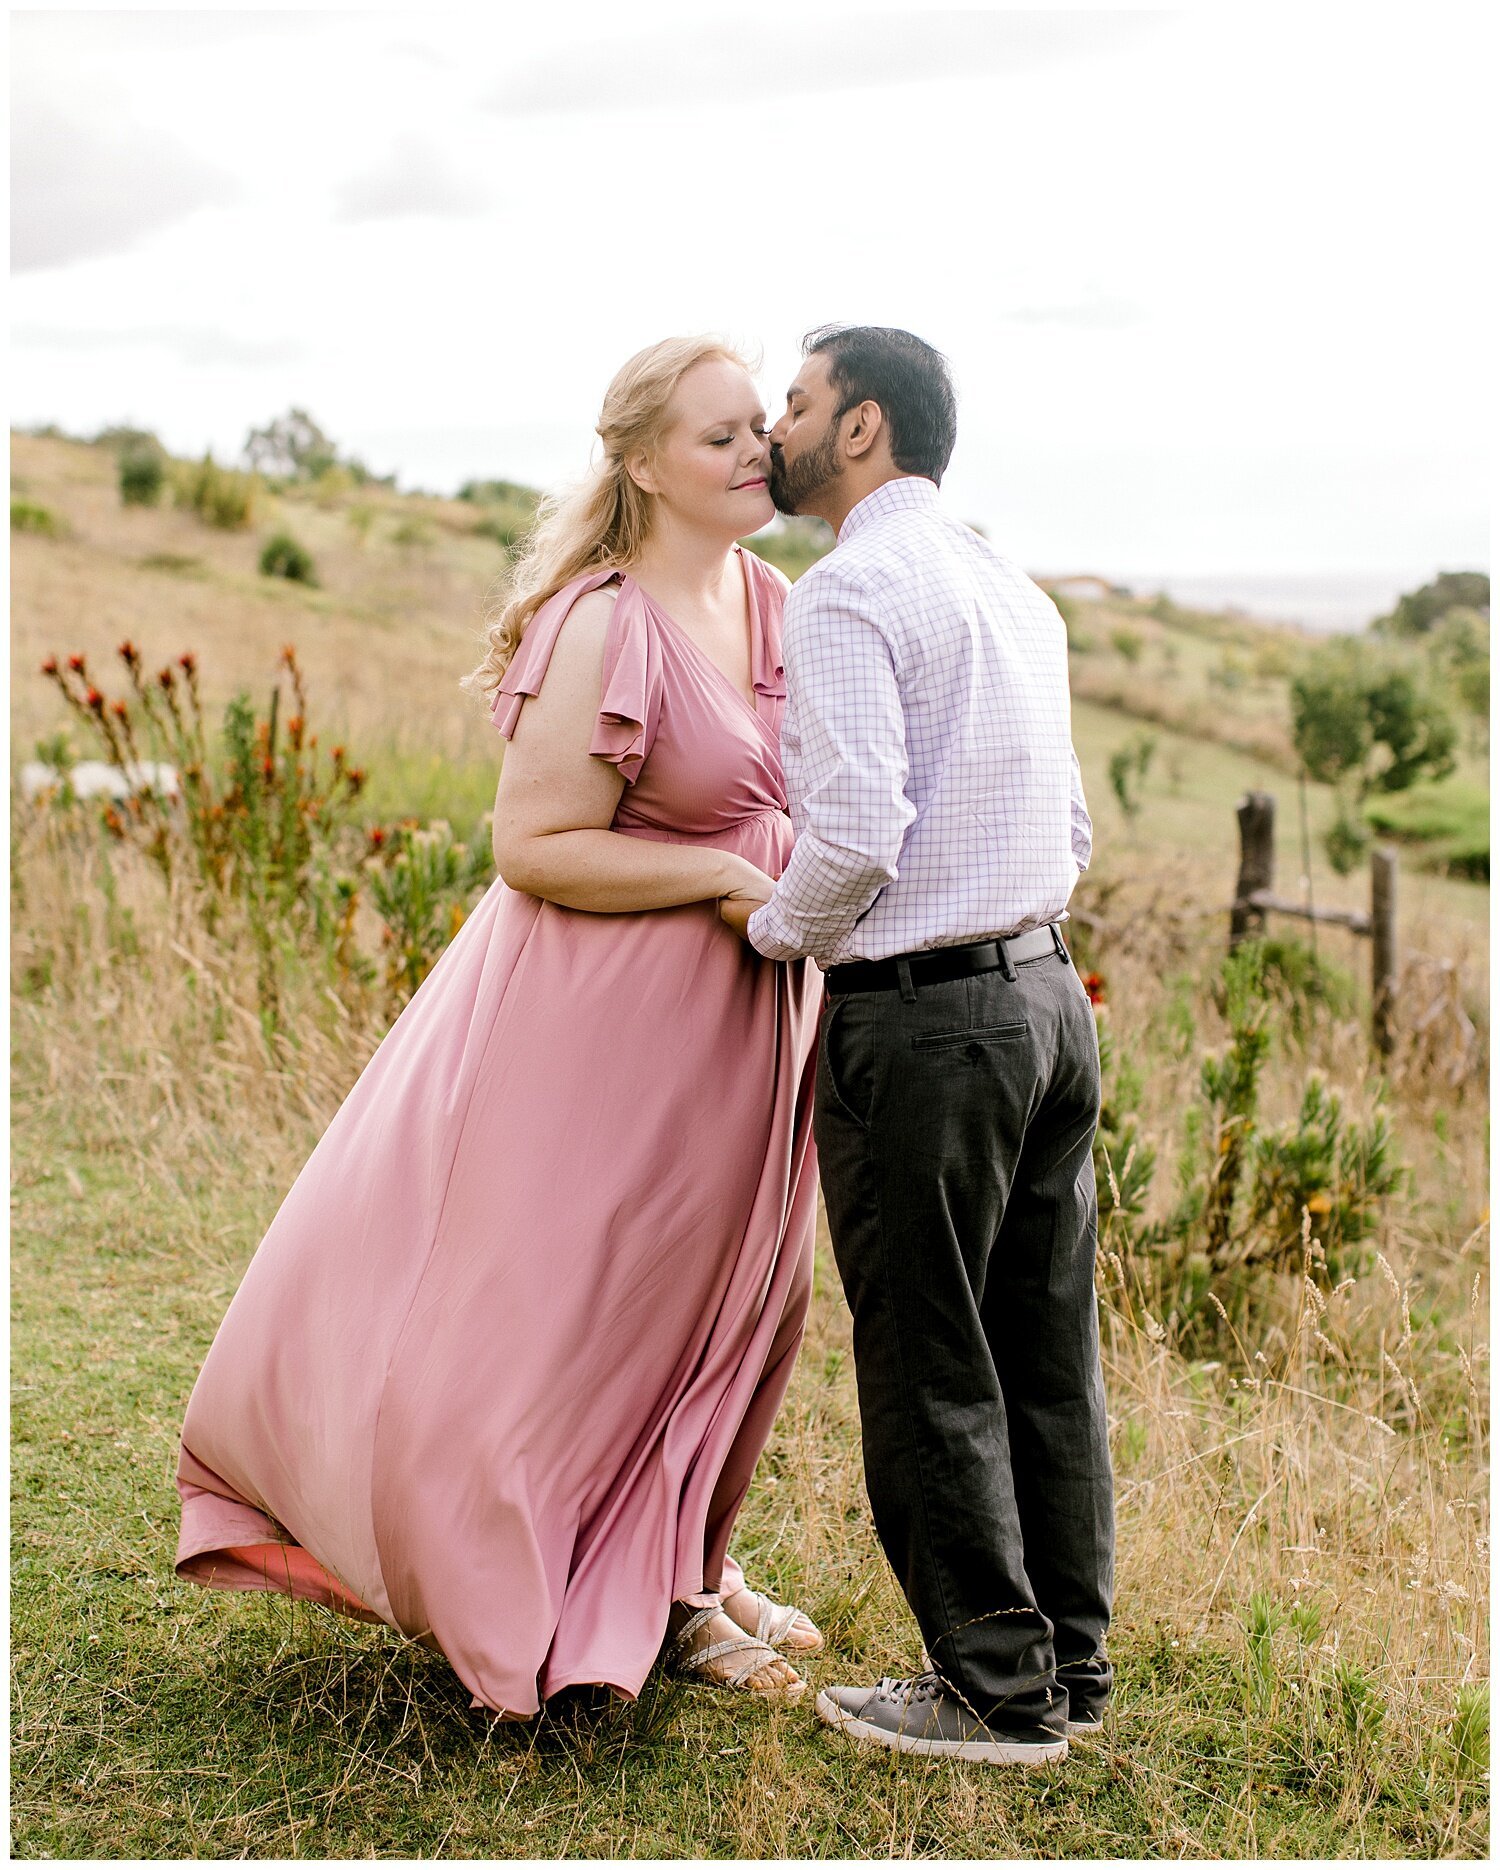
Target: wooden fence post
(1257, 815)
(1383, 947)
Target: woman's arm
(556, 800)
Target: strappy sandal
(759, 1653)
(774, 1624)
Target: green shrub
(412, 533)
(143, 474)
(1302, 983)
(422, 881)
(1340, 1172)
(1128, 766)
(283, 557)
(1127, 642)
(1124, 1161)
(27, 516)
(219, 496)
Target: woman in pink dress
(501, 1369)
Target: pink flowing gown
(500, 1371)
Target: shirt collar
(906, 490)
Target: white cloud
(1191, 290)
(415, 177)
(191, 344)
(85, 184)
(704, 66)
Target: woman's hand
(750, 888)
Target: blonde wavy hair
(605, 520)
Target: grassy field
(1300, 1632)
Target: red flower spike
(119, 710)
(188, 661)
(75, 663)
(49, 667)
(268, 767)
(129, 654)
(166, 678)
(1093, 986)
(95, 700)
(377, 837)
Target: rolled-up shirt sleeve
(845, 754)
(1081, 825)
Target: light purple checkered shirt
(929, 762)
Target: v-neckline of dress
(757, 639)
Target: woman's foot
(711, 1647)
(779, 1625)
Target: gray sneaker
(920, 1715)
(1084, 1727)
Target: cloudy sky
(1211, 279)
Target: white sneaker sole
(977, 1752)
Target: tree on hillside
(1417, 612)
(294, 447)
(1363, 725)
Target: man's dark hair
(909, 380)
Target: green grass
(409, 780)
(1187, 822)
(1450, 818)
(154, 1719)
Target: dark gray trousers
(955, 1124)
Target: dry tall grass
(1303, 1557)
(1302, 1531)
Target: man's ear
(638, 467)
(863, 428)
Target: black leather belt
(934, 964)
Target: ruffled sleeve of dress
(630, 699)
(630, 693)
(770, 588)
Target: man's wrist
(769, 933)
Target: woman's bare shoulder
(582, 633)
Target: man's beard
(792, 487)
